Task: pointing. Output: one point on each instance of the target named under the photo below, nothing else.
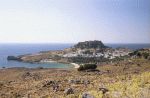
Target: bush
(87, 59)
(87, 66)
(145, 55)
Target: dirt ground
(54, 83)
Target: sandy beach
(75, 65)
(51, 61)
(47, 61)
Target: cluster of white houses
(107, 53)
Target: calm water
(19, 49)
(130, 46)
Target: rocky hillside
(141, 53)
(121, 79)
(90, 44)
(83, 52)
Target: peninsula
(104, 72)
(82, 52)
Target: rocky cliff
(90, 44)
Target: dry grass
(122, 79)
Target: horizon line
(62, 43)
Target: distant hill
(141, 53)
(90, 44)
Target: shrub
(145, 55)
(87, 66)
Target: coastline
(51, 61)
(75, 65)
(47, 61)
(40, 82)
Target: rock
(17, 95)
(99, 73)
(116, 94)
(48, 83)
(3, 95)
(28, 75)
(69, 91)
(40, 68)
(55, 87)
(139, 65)
(104, 90)
(92, 70)
(74, 81)
(3, 67)
(14, 58)
(1, 84)
(77, 81)
(71, 81)
(108, 71)
(136, 72)
(86, 82)
(90, 44)
(148, 58)
(87, 95)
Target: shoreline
(75, 65)
(51, 61)
(48, 61)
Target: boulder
(75, 81)
(104, 90)
(70, 81)
(29, 75)
(55, 87)
(48, 83)
(13, 58)
(87, 95)
(69, 91)
(1, 84)
(148, 57)
(92, 70)
(86, 82)
(3, 67)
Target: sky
(71, 21)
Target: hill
(90, 44)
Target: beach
(51, 61)
(75, 65)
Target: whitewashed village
(108, 53)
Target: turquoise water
(19, 49)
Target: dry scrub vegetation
(123, 79)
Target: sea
(20, 49)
